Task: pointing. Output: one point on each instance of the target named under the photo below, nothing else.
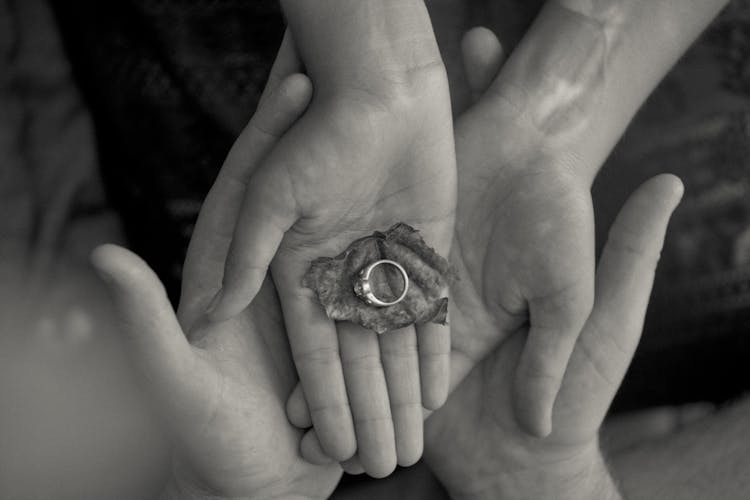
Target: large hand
(532, 148)
(222, 394)
(354, 163)
(524, 235)
(475, 444)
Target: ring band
(363, 289)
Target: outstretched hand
(475, 444)
(524, 232)
(221, 388)
(353, 164)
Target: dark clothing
(170, 84)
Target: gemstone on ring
(364, 290)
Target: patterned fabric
(170, 84)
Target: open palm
(351, 165)
(221, 388)
(475, 443)
(524, 237)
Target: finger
(625, 431)
(483, 57)
(400, 360)
(623, 286)
(287, 62)
(297, 410)
(368, 397)
(434, 345)
(154, 338)
(210, 241)
(353, 466)
(315, 349)
(556, 322)
(268, 211)
(312, 451)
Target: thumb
(153, 336)
(482, 57)
(623, 286)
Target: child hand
(353, 164)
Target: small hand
(354, 163)
(223, 393)
(523, 240)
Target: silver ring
(363, 289)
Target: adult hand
(221, 388)
(530, 151)
(474, 443)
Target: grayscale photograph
(375, 249)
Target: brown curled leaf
(333, 279)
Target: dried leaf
(334, 278)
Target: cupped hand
(354, 163)
(524, 233)
(523, 244)
(221, 388)
(475, 444)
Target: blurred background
(114, 119)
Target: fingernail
(214, 302)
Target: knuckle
(539, 371)
(434, 355)
(405, 350)
(367, 362)
(372, 419)
(325, 356)
(409, 406)
(260, 124)
(329, 409)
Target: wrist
(583, 475)
(588, 485)
(372, 46)
(178, 488)
(176, 491)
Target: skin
(220, 388)
(530, 191)
(708, 458)
(561, 100)
(531, 149)
(476, 447)
(374, 147)
(468, 353)
(573, 462)
(215, 459)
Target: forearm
(586, 66)
(594, 483)
(361, 44)
(709, 459)
(174, 491)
